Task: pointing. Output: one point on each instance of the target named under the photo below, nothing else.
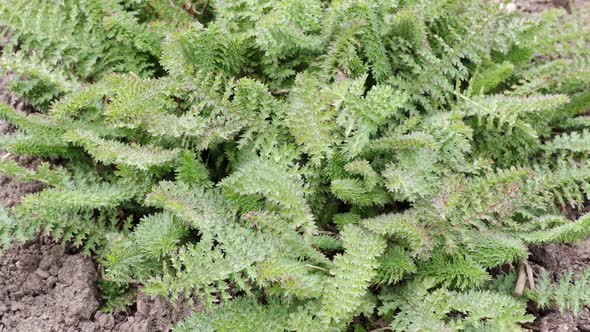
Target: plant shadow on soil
(45, 287)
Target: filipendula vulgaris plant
(303, 165)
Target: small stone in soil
(42, 273)
(17, 306)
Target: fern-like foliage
(241, 315)
(472, 310)
(57, 45)
(566, 231)
(45, 174)
(566, 295)
(113, 152)
(303, 165)
(261, 177)
(80, 215)
(352, 273)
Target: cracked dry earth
(44, 287)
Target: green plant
(567, 295)
(300, 165)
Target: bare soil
(557, 259)
(45, 288)
(540, 5)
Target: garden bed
(45, 286)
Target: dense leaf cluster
(303, 165)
